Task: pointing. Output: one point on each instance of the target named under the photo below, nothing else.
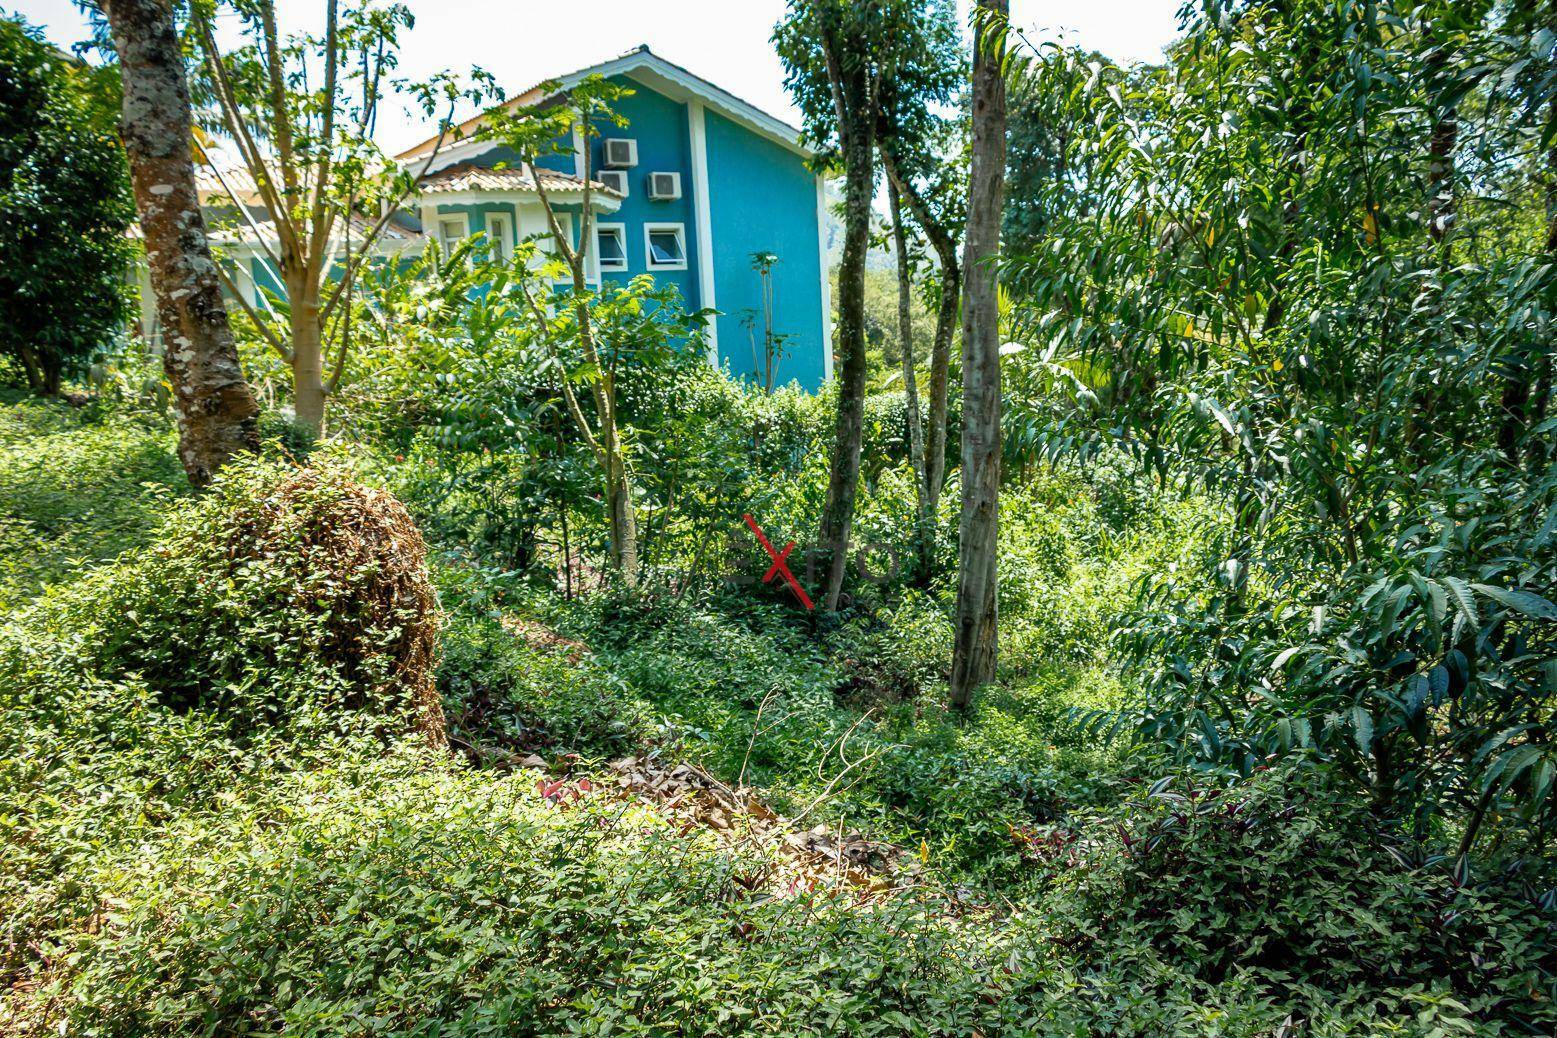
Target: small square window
(611, 246)
(451, 228)
(667, 246)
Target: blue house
(689, 191)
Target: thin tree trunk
(974, 656)
(32, 366)
(940, 379)
(1440, 176)
(905, 325)
(619, 502)
(217, 415)
(945, 327)
(857, 128)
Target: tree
(830, 50)
(546, 130)
(974, 652)
(217, 415)
(905, 324)
(1294, 314)
(65, 206)
(914, 140)
(327, 192)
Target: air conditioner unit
(664, 187)
(615, 179)
(620, 152)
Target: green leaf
(1464, 599)
(1362, 727)
(1526, 602)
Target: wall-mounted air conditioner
(664, 187)
(615, 179)
(620, 152)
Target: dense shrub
(64, 208)
(1295, 887)
(511, 687)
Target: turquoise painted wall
(659, 125)
(762, 198)
(476, 216)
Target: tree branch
(270, 337)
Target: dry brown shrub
(366, 564)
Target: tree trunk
(838, 515)
(905, 325)
(974, 656)
(940, 376)
(1440, 176)
(308, 392)
(619, 506)
(37, 380)
(217, 415)
(945, 327)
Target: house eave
(652, 71)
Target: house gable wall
(762, 198)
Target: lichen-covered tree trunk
(858, 150)
(217, 415)
(974, 655)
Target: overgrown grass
(77, 487)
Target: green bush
(1290, 885)
(65, 206)
(506, 695)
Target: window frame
(649, 230)
(506, 242)
(463, 218)
(620, 230)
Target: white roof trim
(652, 71)
(598, 200)
(678, 84)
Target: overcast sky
(725, 41)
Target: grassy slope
(75, 491)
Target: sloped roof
(394, 236)
(643, 64)
(466, 177)
(209, 184)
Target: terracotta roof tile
(466, 177)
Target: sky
(522, 42)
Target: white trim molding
(701, 207)
(462, 217)
(506, 240)
(579, 144)
(620, 230)
(650, 230)
(827, 285)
